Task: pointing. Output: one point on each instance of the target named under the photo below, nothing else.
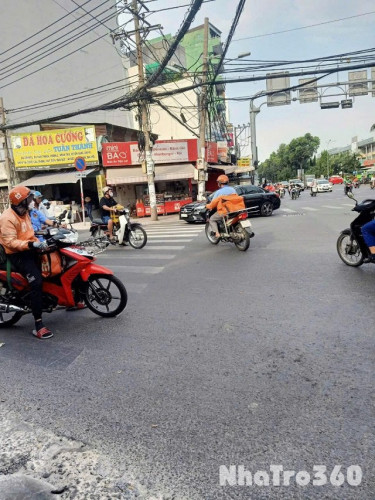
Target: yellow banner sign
(55, 147)
(243, 162)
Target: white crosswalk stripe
(331, 206)
(310, 209)
(163, 241)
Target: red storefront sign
(122, 154)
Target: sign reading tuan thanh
(54, 147)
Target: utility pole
(201, 163)
(254, 150)
(145, 123)
(7, 164)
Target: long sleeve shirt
(15, 231)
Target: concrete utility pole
(201, 163)
(145, 123)
(7, 164)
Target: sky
(276, 125)
(96, 64)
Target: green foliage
(327, 165)
(284, 163)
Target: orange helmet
(223, 179)
(18, 194)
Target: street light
(328, 143)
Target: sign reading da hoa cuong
(54, 147)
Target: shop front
(173, 185)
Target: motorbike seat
(98, 222)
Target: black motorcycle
(351, 246)
(348, 188)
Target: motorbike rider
(38, 219)
(39, 205)
(224, 189)
(107, 205)
(19, 241)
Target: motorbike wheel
(9, 319)
(349, 251)
(244, 244)
(137, 237)
(211, 238)
(104, 291)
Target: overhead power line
(304, 27)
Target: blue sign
(80, 163)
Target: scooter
(294, 193)
(313, 190)
(351, 246)
(124, 230)
(234, 228)
(70, 277)
(348, 188)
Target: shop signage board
(243, 162)
(122, 154)
(54, 147)
(222, 150)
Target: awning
(134, 175)
(227, 169)
(54, 178)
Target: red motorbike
(70, 278)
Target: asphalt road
(221, 358)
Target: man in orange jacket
(19, 241)
(224, 189)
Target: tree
(284, 163)
(345, 163)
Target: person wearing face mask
(38, 219)
(38, 197)
(107, 205)
(19, 242)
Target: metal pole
(201, 163)
(82, 200)
(150, 170)
(7, 166)
(254, 150)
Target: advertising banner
(243, 162)
(222, 150)
(54, 147)
(122, 154)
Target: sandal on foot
(43, 333)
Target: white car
(323, 185)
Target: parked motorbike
(351, 246)
(70, 277)
(124, 230)
(233, 228)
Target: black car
(261, 201)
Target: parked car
(255, 197)
(297, 182)
(323, 185)
(336, 179)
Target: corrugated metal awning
(227, 169)
(54, 178)
(134, 175)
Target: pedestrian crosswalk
(302, 209)
(165, 240)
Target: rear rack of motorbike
(95, 246)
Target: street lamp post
(328, 143)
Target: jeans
(26, 264)
(368, 232)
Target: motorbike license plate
(245, 223)
(184, 215)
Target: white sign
(164, 152)
(81, 175)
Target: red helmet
(223, 179)
(19, 194)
